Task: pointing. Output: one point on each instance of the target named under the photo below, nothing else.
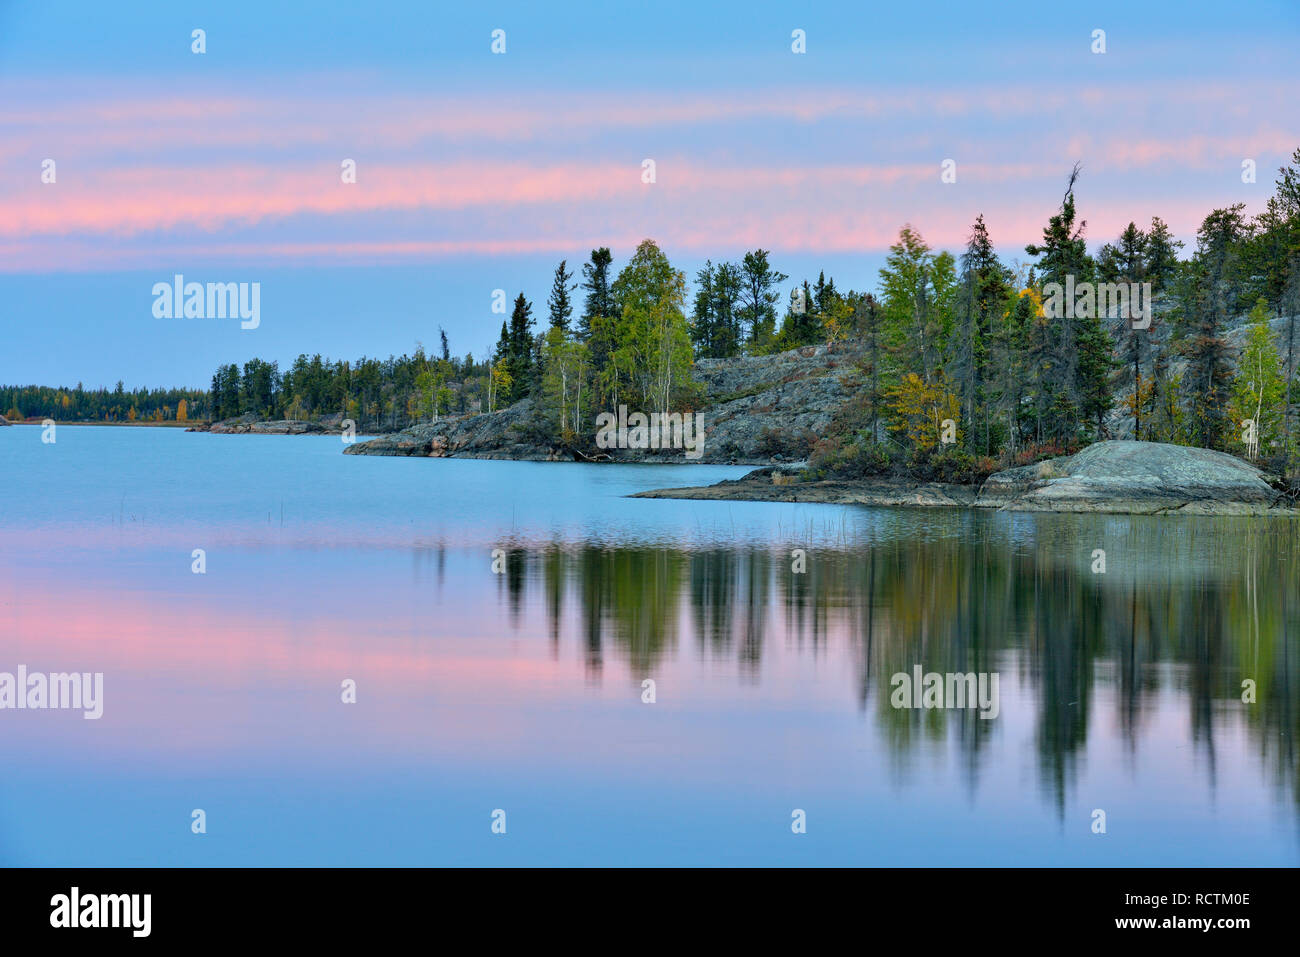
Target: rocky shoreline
(252, 425)
(1115, 477)
(758, 410)
(768, 410)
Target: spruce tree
(1213, 294)
(1126, 263)
(758, 297)
(520, 357)
(703, 329)
(599, 299)
(1065, 260)
(561, 308)
(982, 299)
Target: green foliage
(948, 463)
(1068, 354)
(917, 411)
(847, 458)
(559, 304)
(967, 340)
(782, 443)
(566, 386)
(917, 292)
(1257, 389)
(79, 404)
(758, 298)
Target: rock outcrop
(249, 424)
(508, 434)
(757, 410)
(1134, 478)
(1138, 478)
(777, 485)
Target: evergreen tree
(1096, 364)
(1126, 263)
(558, 303)
(758, 298)
(1161, 255)
(726, 310)
(703, 322)
(599, 300)
(1064, 260)
(870, 326)
(520, 362)
(1213, 292)
(982, 300)
(1010, 350)
(501, 352)
(917, 289)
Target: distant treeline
(387, 393)
(102, 405)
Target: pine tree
(599, 300)
(1065, 261)
(1161, 255)
(981, 301)
(520, 362)
(1095, 366)
(703, 323)
(868, 320)
(758, 297)
(1214, 291)
(558, 303)
(1012, 379)
(726, 310)
(501, 352)
(1126, 263)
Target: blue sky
(479, 171)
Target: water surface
(500, 618)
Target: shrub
(774, 442)
(947, 463)
(855, 459)
(1037, 452)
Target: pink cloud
(176, 175)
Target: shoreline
(187, 426)
(1113, 477)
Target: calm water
(522, 690)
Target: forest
(961, 340)
(119, 404)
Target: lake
(499, 622)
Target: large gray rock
(1134, 478)
(251, 424)
(772, 408)
(1142, 478)
(757, 410)
(504, 434)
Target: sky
(478, 171)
